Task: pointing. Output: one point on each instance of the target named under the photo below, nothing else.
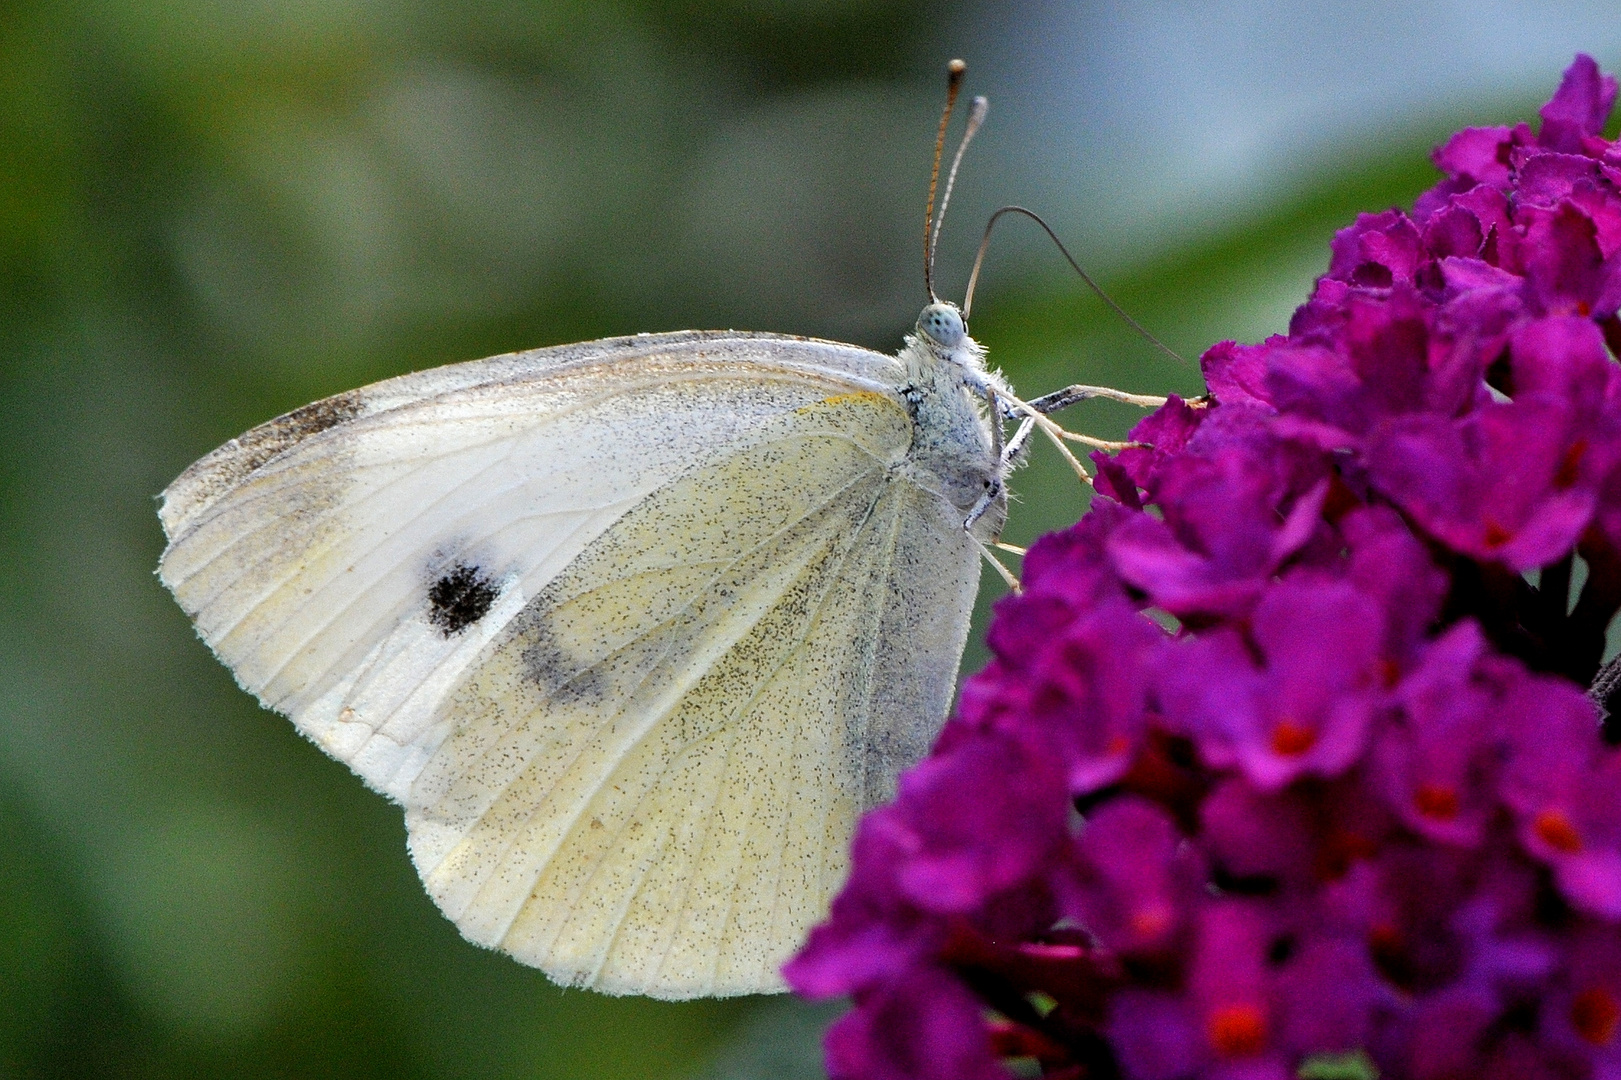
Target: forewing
(655, 769)
(349, 561)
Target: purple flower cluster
(1284, 760)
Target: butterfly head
(941, 325)
(942, 348)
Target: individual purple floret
(1296, 755)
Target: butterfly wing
(633, 630)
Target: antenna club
(955, 69)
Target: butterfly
(634, 630)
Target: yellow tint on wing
(857, 398)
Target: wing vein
(790, 654)
(811, 625)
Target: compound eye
(942, 324)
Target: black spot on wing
(459, 599)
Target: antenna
(976, 117)
(973, 279)
(954, 74)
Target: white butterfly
(633, 630)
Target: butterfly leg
(1008, 458)
(993, 490)
(1071, 395)
(1009, 451)
(1006, 451)
(996, 564)
(1013, 452)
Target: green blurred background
(212, 212)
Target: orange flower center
(1594, 1013)
(1384, 940)
(1152, 920)
(1555, 829)
(1438, 801)
(1237, 1030)
(1570, 465)
(1291, 739)
(1341, 848)
(1389, 673)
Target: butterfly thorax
(952, 450)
